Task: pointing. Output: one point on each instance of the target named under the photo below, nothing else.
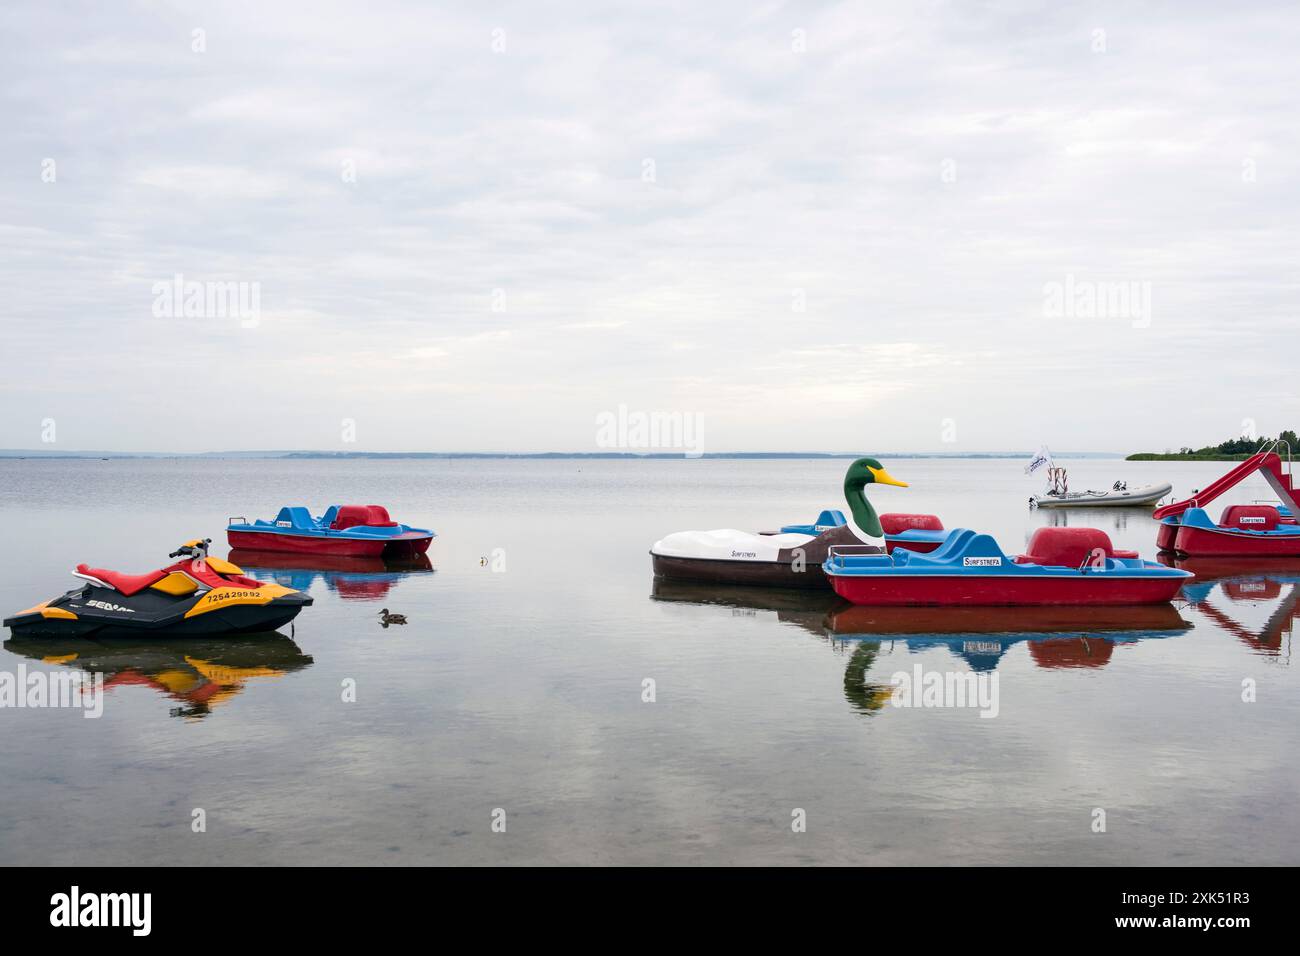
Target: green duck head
(863, 472)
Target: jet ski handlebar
(198, 548)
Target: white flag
(1044, 457)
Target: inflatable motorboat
(1062, 566)
(792, 557)
(196, 595)
(358, 531)
(1119, 496)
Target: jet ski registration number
(225, 594)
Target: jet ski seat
(127, 584)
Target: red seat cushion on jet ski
(350, 516)
(379, 517)
(897, 523)
(1065, 547)
(1233, 514)
(127, 584)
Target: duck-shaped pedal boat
(793, 557)
(1076, 566)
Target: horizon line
(610, 455)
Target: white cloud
(865, 226)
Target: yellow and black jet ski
(198, 594)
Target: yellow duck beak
(883, 477)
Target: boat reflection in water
(1225, 587)
(1056, 637)
(199, 673)
(353, 579)
(804, 608)
(1117, 519)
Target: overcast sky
(808, 226)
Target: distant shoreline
(41, 455)
(1171, 456)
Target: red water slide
(1266, 462)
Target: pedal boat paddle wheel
(793, 557)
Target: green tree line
(1240, 446)
(1234, 449)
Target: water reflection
(1229, 591)
(1056, 637)
(199, 673)
(1116, 519)
(805, 609)
(352, 579)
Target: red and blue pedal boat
(1064, 566)
(358, 531)
(1243, 530)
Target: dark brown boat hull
(768, 574)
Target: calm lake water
(520, 687)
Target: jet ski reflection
(200, 673)
(353, 579)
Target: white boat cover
(727, 544)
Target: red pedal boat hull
(394, 547)
(1227, 543)
(960, 590)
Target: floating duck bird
(385, 618)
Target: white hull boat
(1123, 497)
